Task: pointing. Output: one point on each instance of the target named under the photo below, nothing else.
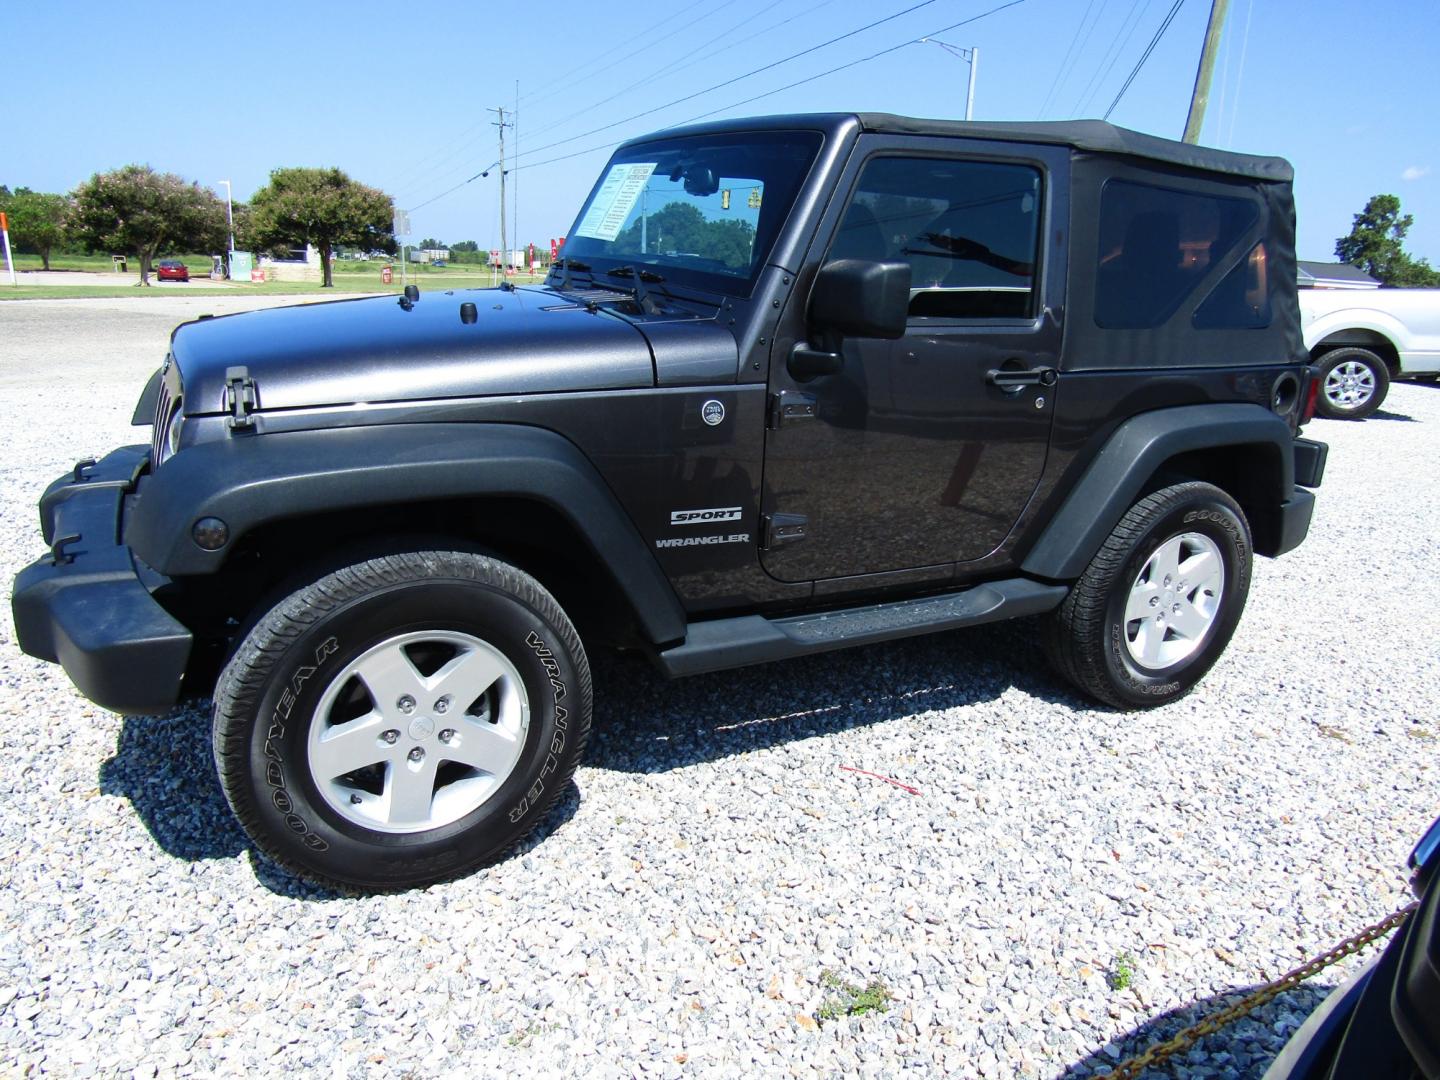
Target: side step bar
(753, 639)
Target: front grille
(166, 406)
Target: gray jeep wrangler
(799, 383)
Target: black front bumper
(86, 605)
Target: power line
(1239, 75)
(738, 78)
(450, 152)
(700, 93)
(447, 191)
(1060, 71)
(790, 86)
(734, 105)
(1169, 18)
(567, 83)
(631, 55)
(1111, 57)
(689, 57)
(853, 63)
(693, 56)
(1085, 40)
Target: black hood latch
(241, 399)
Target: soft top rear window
(1155, 244)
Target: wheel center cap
(422, 727)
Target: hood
(378, 349)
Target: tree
(680, 227)
(37, 221)
(1414, 274)
(430, 244)
(465, 245)
(323, 207)
(137, 211)
(1376, 245)
(242, 226)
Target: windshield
(703, 210)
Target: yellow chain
(1153, 1055)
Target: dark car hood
(375, 349)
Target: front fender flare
(251, 481)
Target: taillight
(1312, 393)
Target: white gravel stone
(714, 851)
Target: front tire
(1159, 602)
(1353, 384)
(403, 720)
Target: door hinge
(240, 398)
(783, 529)
(792, 405)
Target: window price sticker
(617, 196)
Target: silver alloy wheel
(1349, 385)
(418, 731)
(1174, 601)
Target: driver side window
(968, 229)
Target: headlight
(170, 444)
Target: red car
(172, 270)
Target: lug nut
(1154, 601)
(407, 703)
(355, 800)
(447, 734)
(417, 754)
(1176, 609)
(442, 705)
(1167, 581)
(391, 736)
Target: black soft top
(1092, 135)
(1099, 154)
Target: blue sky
(396, 94)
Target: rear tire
(402, 720)
(1159, 601)
(1353, 384)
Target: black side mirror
(852, 298)
(860, 298)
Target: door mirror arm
(807, 362)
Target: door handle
(1008, 379)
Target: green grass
(126, 285)
(102, 264)
(1122, 972)
(349, 275)
(844, 999)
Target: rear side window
(1156, 243)
(968, 229)
(1242, 299)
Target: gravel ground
(717, 867)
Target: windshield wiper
(567, 265)
(641, 276)
(630, 271)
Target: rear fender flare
(1134, 452)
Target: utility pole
(504, 243)
(970, 93)
(970, 56)
(515, 190)
(1201, 97)
(230, 223)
